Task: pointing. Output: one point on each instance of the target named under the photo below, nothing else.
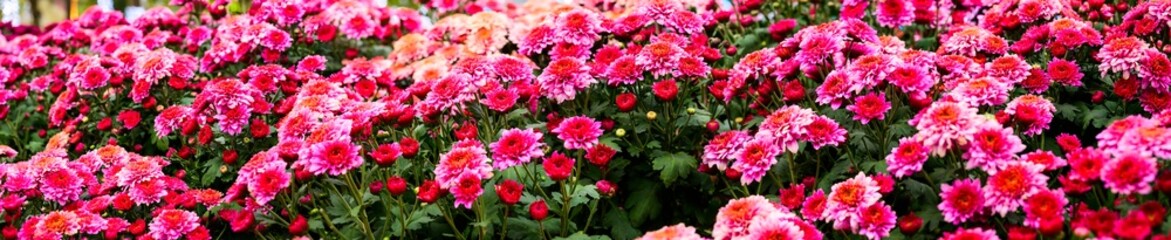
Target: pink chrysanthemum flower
(868, 71)
(876, 221)
(733, 220)
(786, 126)
(660, 58)
(755, 159)
(54, 225)
(563, 78)
(912, 79)
(1065, 72)
(824, 131)
(148, 192)
(515, 147)
(757, 63)
(500, 99)
(775, 226)
(173, 224)
(834, 89)
(1044, 205)
(1086, 163)
(1110, 137)
(848, 198)
(970, 40)
(1129, 173)
(1121, 55)
(1009, 184)
(983, 91)
(138, 169)
(1148, 140)
(944, 125)
(813, 207)
(816, 48)
(870, 107)
(512, 69)
(693, 66)
(466, 188)
(623, 71)
(907, 158)
(1044, 158)
(686, 22)
(268, 182)
(678, 232)
(579, 132)
(974, 233)
(537, 40)
(961, 200)
(1009, 69)
(895, 13)
(721, 148)
(335, 157)
(170, 119)
(578, 26)
(991, 145)
(1155, 70)
(1032, 112)
(61, 185)
(461, 160)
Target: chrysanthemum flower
(624, 70)
(1044, 158)
(461, 160)
(974, 233)
(537, 40)
(824, 131)
(678, 231)
(834, 89)
(1129, 173)
(1009, 184)
(515, 147)
(148, 192)
(1044, 205)
(870, 107)
(721, 148)
(173, 224)
(1110, 138)
(1032, 112)
(558, 166)
(1155, 70)
(1009, 69)
(466, 189)
(1065, 72)
(895, 13)
(61, 185)
(660, 58)
(945, 124)
(733, 219)
(578, 26)
(971, 39)
(787, 126)
(500, 99)
(1121, 55)
(961, 200)
(814, 206)
(848, 198)
(907, 158)
(992, 145)
(563, 77)
(579, 132)
(912, 79)
(755, 159)
(876, 221)
(983, 91)
(335, 157)
(816, 48)
(775, 225)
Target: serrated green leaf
(619, 224)
(674, 166)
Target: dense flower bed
(619, 119)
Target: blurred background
(42, 12)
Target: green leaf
(674, 166)
(517, 114)
(643, 202)
(619, 224)
(583, 194)
(1096, 113)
